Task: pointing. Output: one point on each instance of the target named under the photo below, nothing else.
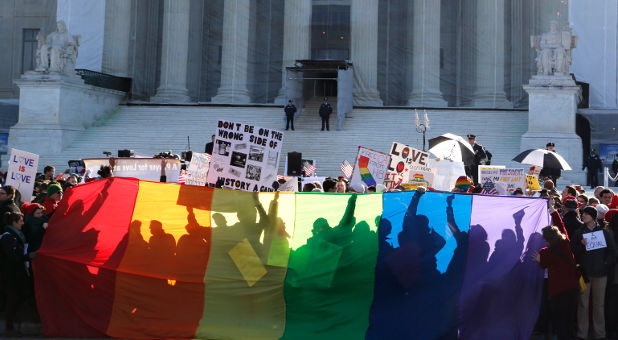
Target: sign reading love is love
(22, 172)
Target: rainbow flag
(363, 163)
(136, 259)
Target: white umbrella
(543, 158)
(453, 147)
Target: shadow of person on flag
(245, 274)
(496, 299)
(329, 284)
(415, 296)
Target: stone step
(149, 130)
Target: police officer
(594, 164)
(551, 173)
(481, 156)
(325, 111)
(290, 110)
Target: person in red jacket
(562, 275)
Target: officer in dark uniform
(594, 164)
(481, 156)
(551, 173)
(209, 145)
(325, 111)
(290, 110)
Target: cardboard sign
(245, 157)
(510, 179)
(370, 167)
(446, 173)
(143, 168)
(533, 182)
(197, 172)
(414, 186)
(595, 240)
(407, 165)
(22, 172)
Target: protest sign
(370, 167)
(22, 172)
(197, 172)
(407, 165)
(595, 240)
(413, 186)
(533, 182)
(245, 157)
(446, 173)
(143, 168)
(487, 167)
(510, 179)
(291, 185)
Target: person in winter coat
(7, 203)
(35, 224)
(596, 265)
(562, 275)
(15, 276)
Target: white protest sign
(22, 172)
(446, 173)
(197, 172)
(148, 169)
(407, 165)
(290, 186)
(595, 240)
(488, 167)
(370, 167)
(510, 179)
(245, 157)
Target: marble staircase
(150, 129)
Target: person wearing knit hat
(463, 184)
(596, 264)
(54, 195)
(614, 202)
(609, 215)
(35, 224)
(601, 210)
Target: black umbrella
(454, 147)
(543, 158)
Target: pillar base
(427, 99)
(491, 100)
(54, 110)
(171, 95)
(231, 96)
(369, 98)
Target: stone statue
(57, 53)
(554, 51)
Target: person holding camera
(595, 264)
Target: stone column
(424, 23)
(364, 51)
(116, 37)
(490, 55)
(296, 38)
(174, 52)
(233, 88)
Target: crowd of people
(570, 265)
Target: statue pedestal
(54, 109)
(551, 117)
